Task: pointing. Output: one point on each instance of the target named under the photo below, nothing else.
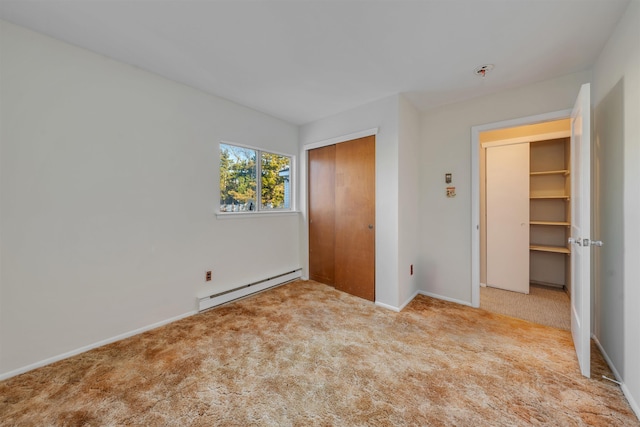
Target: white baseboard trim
(436, 296)
(416, 293)
(606, 358)
(634, 405)
(406, 303)
(387, 306)
(625, 390)
(85, 348)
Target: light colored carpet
(544, 305)
(305, 354)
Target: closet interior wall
(550, 190)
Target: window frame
(258, 203)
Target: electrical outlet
(208, 276)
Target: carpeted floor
(305, 354)
(544, 305)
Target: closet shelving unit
(550, 189)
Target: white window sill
(238, 215)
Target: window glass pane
(276, 182)
(237, 179)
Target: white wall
(382, 114)
(618, 69)
(608, 225)
(445, 232)
(108, 181)
(408, 199)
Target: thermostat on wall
(451, 191)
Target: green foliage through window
(239, 184)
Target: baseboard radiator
(245, 290)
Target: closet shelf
(549, 197)
(557, 172)
(555, 249)
(565, 223)
(549, 210)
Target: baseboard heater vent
(251, 288)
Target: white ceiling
(304, 60)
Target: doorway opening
(521, 261)
(580, 222)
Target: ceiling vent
(483, 70)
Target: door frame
(475, 185)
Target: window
(239, 185)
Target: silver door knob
(596, 243)
(577, 241)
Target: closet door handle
(370, 226)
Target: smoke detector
(483, 70)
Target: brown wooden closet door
(355, 217)
(322, 214)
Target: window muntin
(239, 184)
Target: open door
(580, 228)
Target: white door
(507, 170)
(580, 228)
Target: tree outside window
(275, 181)
(239, 184)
